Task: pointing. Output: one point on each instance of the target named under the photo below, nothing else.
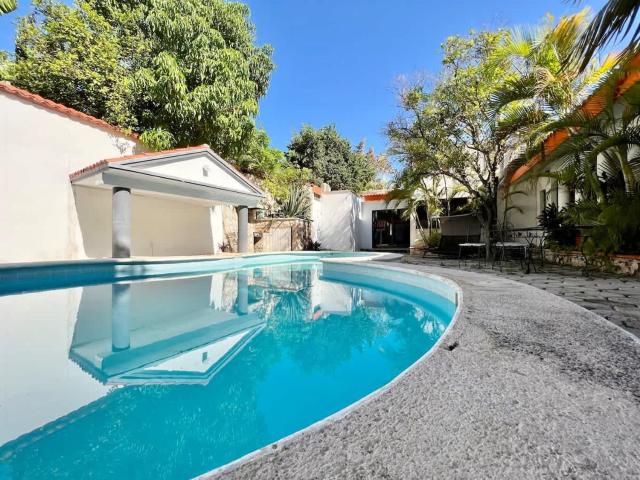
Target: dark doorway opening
(390, 230)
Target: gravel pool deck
(536, 387)
(614, 297)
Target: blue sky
(338, 60)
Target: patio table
(533, 238)
(502, 247)
(475, 245)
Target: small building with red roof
(73, 186)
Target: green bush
(431, 239)
(558, 226)
(618, 226)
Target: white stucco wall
(337, 221)
(194, 169)
(316, 215)
(38, 150)
(160, 226)
(24, 387)
(525, 195)
(365, 232)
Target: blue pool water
(171, 377)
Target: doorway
(390, 230)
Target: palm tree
(7, 6)
(422, 192)
(602, 153)
(545, 84)
(614, 20)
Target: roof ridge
(155, 153)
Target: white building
(76, 187)
(343, 220)
(73, 187)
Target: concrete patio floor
(613, 297)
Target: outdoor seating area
(461, 237)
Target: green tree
(181, 72)
(450, 131)
(380, 165)
(270, 167)
(71, 55)
(601, 155)
(544, 84)
(331, 158)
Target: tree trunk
(488, 221)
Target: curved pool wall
(385, 277)
(34, 276)
(438, 296)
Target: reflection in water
(205, 369)
(120, 317)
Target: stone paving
(613, 297)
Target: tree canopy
(331, 158)
(545, 80)
(181, 72)
(449, 130)
(270, 167)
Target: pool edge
(340, 414)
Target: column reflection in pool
(120, 316)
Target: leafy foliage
(601, 154)
(270, 167)
(615, 19)
(449, 131)
(7, 6)
(180, 72)
(617, 229)
(558, 226)
(330, 158)
(544, 84)
(72, 56)
(297, 204)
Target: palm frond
(8, 6)
(616, 19)
(518, 89)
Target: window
(205, 171)
(542, 202)
(552, 195)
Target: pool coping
(562, 349)
(378, 256)
(33, 276)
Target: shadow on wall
(160, 226)
(124, 145)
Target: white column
(564, 196)
(120, 316)
(121, 223)
(242, 301)
(243, 228)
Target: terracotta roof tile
(592, 106)
(374, 197)
(59, 108)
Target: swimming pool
(172, 376)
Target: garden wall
(267, 235)
(621, 264)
